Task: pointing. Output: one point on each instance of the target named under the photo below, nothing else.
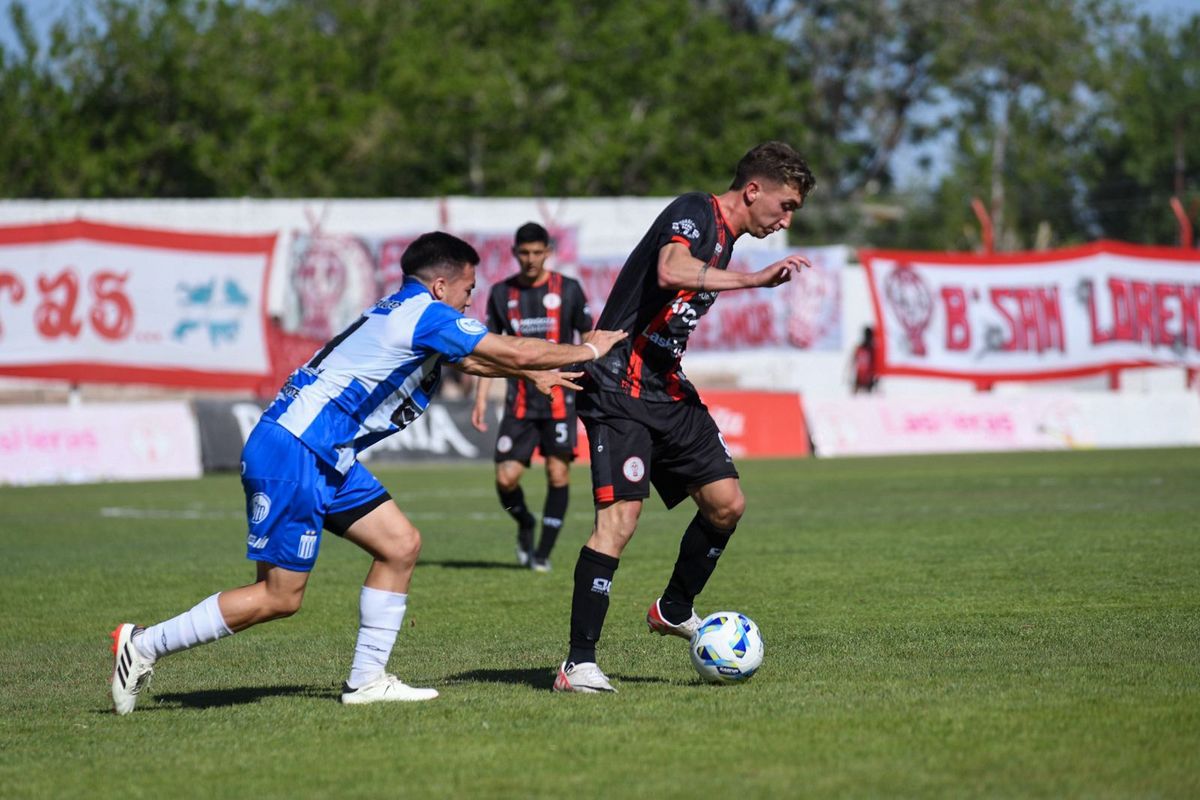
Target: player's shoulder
(568, 282)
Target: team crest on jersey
(685, 227)
(470, 326)
(260, 507)
(634, 469)
(551, 301)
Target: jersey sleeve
(444, 330)
(581, 315)
(497, 316)
(689, 221)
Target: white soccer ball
(726, 648)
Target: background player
(543, 304)
(300, 471)
(645, 422)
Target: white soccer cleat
(583, 677)
(523, 556)
(658, 623)
(387, 688)
(132, 671)
(540, 564)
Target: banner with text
(1027, 316)
(82, 301)
(47, 444)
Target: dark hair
(437, 254)
(531, 232)
(775, 161)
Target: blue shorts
(291, 496)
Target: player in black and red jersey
(645, 422)
(543, 304)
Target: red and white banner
(988, 422)
(1027, 316)
(59, 444)
(82, 301)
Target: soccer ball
(726, 648)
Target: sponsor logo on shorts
(470, 326)
(260, 507)
(551, 301)
(715, 552)
(504, 444)
(601, 585)
(308, 545)
(257, 542)
(633, 469)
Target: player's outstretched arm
(542, 379)
(521, 353)
(679, 269)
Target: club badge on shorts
(634, 469)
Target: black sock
(589, 603)
(514, 504)
(553, 514)
(699, 550)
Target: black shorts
(674, 446)
(517, 438)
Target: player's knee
(507, 481)
(729, 513)
(284, 603)
(404, 548)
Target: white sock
(380, 615)
(201, 625)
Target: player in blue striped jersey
(301, 476)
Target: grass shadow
(537, 678)
(460, 564)
(245, 695)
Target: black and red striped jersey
(659, 321)
(554, 311)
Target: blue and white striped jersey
(375, 377)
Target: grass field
(988, 625)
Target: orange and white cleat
(132, 671)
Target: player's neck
(530, 283)
(734, 211)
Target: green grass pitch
(1020, 625)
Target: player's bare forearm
(507, 353)
(482, 368)
(679, 269)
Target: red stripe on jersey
(636, 358)
(558, 403)
(603, 494)
(520, 403)
(682, 240)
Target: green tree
(1148, 151)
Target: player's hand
(781, 271)
(546, 379)
(479, 417)
(603, 341)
